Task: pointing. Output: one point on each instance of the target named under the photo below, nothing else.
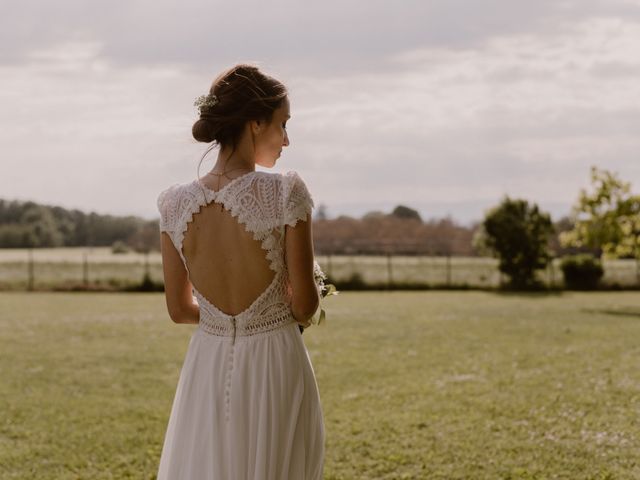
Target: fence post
(30, 270)
(448, 269)
(147, 272)
(329, 266)
(352, 264)
(389, 271)
(85, 269)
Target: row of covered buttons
(227, 390)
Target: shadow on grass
(527, 293)
(620, 313)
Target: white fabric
(247, 405)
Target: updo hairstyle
(244, 94)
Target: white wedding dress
(247, 405)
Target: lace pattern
(272, 317)
(263, 203)
(298, 201)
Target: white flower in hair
(208, 100)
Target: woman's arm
(177, 288)
(299, 258)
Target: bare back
(227, 265)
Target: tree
(627, 243)
(15, 235)
(145, 238)
(608, 218)
(517, 234)
(374, 214)
(629, 221)
(594, 214)
(41, 222)
(402, 211)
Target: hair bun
(202, 130)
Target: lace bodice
(264, 203)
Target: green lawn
(414, 385)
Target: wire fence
(451, 271)
(31, 269)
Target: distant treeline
(403, 232)
(28, 224)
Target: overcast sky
(444, 106)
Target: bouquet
(324, 290)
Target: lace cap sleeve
(166, 209)
(298, 202)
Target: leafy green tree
(627, 244)
(42, 224)
(14, 235)
(607, 218)
(594, 214)
(517, 234)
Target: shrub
(582, 271)
(517, 233)
(119, 247)
(353, 282)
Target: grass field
(56, 267)
(414, 385)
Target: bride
(237, 258)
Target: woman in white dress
(237, 257)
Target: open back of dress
(226, 264)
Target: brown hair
(244, 94)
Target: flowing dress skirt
(245, 409)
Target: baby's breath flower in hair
(208, 100)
